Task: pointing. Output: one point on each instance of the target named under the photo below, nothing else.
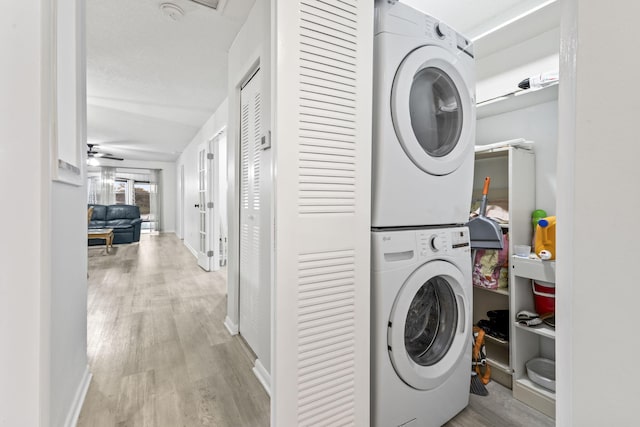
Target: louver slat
(328, 30)
(326, 292)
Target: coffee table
(102, 233)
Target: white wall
(68, 297)
(189, 159)
(538, 123)
(250, 48)
(168, 187)
(23, 252)
(598, 205)
(43, 260)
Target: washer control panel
(443, 241)
(396, 248)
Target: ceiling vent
(217, 5)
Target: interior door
(429, 325)
(250, 151)
(433, 110)
(208, 254)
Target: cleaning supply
(484, 232)
(540, 80)
(544, 297)
(536, 216)
(480, 370)
(545, 238)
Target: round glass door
(436, 112)
(433, 110)
(429, 325)
(431, 321)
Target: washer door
(428, 333)
(433, 111)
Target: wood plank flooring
(160, 355)
(499, 409)
(157, 346)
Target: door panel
(250, 233)
(208, 206)
(322, 163)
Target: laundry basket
(544, 296)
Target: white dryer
(423, 121)
(421, 326)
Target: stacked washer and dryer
(424, 133)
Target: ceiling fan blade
(110, 157)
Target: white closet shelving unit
(512, 172)
(527, 45)
(530, 342)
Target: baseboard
(263, 376)
(78, 399)
(193, 251)
(231, 326)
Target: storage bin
(544, 296)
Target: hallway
(158, 350)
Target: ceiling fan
(92, 153)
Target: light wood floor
(499, 409)
(160, 355)
(157, 346)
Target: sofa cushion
(122, 212)
(99, 213)
(119, 223)
(97, 224)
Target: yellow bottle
(545, 244)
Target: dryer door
(429, 325)
(433, 110)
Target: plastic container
(536, 216)
(522, 250)
(542, 372)
(544, 296)
(546, 237)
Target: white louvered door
(322, 152)
(250, 150)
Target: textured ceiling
(152, 82)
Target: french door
(208, 211)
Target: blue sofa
(123, 219)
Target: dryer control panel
(399, 18)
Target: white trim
(565, 208)
(263, 376)
(78, 399)
(231, 326)
(193, 251)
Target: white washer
(424, 120)
(421, 326)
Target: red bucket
(544, 296)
